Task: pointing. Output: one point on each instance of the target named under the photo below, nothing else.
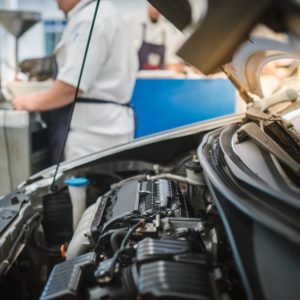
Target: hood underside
(216, 29)
(218, 39)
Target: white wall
(32, 42)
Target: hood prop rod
(53, 187)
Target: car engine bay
(136, 240)
(206, 211)
(159, 229)
(147, 236)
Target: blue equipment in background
(162, 104)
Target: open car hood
(245, 68)
(218, 37)
(213, 34)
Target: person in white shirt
(102, 116)
(156, 41)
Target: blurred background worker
(102, 116)
(156, 41)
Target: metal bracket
(252, 131)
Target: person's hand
(25, 102)
(59, 95)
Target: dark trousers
(57, 121)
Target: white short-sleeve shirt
(109, 74)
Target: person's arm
(59, 95)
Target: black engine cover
(163, 269)
(141, 197)
(148, 197)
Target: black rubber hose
(120, 219)
(117, 238)
(102, 240)
(22, 234)
(130, 232)
(123, 249)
